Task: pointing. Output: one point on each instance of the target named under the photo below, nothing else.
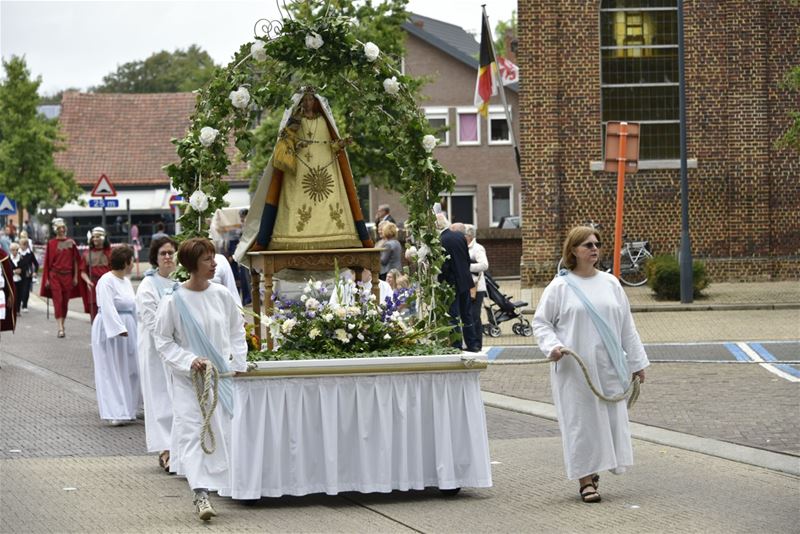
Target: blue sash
(159, 281)
(612, 344)
(200, 345)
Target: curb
(650, 308)
(775, 461)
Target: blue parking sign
(7, 206)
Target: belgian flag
(485, 86)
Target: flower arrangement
(346, 322)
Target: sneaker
(24, 310)
(204, 509)
(117, 422)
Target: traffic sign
(103, 203)
(7, 206)
(104, 188)
(174, 200)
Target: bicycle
(633, 257)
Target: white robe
(156, 377)
(223, 275)
(219, 318)
(116, 370)
(595, 434)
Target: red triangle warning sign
(104, 188)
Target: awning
(143, 200)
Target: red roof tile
(124, 136)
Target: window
(639, 72)
(498, 126)
(460, 205)
(468, 125)
(500, 202)
(439, 119)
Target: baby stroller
(502, 309)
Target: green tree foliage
(377, 22)
(791, 137)
(28, 141)
(500, 30)
(162, 72)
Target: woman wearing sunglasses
(586, 310)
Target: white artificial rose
(372, 51)
(258, 51)
(240, 98)
(391, 85)
(208, 135)
(411, 253)
(314, 333)
(287, 326)
(423, 252)
(314, 40)
(341, 335)
(198, 201)
(312, 304)
(429, 142)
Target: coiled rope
(206, 386)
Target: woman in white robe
(199, 312)
(116, 371)
(595, 434)
(156, 378)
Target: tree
(162, 72)
(28, 140)
(55, 98)
(500, 30)
(791, 137)
(380, 24)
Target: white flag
(509, 72)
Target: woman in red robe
(60, 273)
(96, 262)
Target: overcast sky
(75, 44)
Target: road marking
(742, 352)
(764, 353)
(494, 352)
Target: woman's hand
(199, 364)
(556, 354)
(640, 374)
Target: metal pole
(128, 208)
(687, 283)
(103, 224)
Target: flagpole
(501, 89)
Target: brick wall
(744, 194)
(503, 250)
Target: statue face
(309, 103)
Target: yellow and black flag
(485, 86)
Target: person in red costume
(7, 293)
(60, 273)
(96, 262)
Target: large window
(469, 126)
(498, 126)
(460, 205)
(439, 118)
(500, 202)
(639, 66)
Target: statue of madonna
(306, 199)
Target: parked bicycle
(633, 256)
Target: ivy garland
(324, 53)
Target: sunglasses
(166, 253)
(592, 244)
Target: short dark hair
(121, 256)
(157, 244)
(160, 227)
(191, 250)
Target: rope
(632, 393)
(522, 361)
(205, 389)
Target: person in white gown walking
(156, 378)
(116, 370)
(587, 311)
(199, 325)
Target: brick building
(585, 63)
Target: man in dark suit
(383, 214)
(455, 271)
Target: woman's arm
(545, 320)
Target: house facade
(586, 63)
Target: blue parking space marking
(764, 353)
(493, 353)
(737, 352)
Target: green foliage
(791, 137)
(500, 30)
(162, 72)
(28, 141)
(387, 129)
(664, 277)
